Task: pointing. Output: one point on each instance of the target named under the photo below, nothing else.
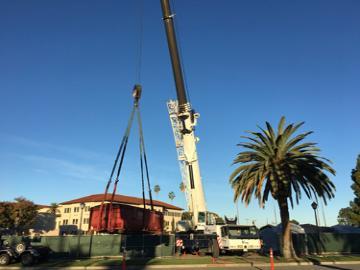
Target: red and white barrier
(179, 242)
(219, 242)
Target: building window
(75, 221)
(87, 208)
(65, 222)
(67, 210)
(86, 221)
(76, 209)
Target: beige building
(70, 215)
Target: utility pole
(323, 213)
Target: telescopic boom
(174, 53)
(185, 123)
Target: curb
(190, 266)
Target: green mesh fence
(104, 245)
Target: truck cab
(239, 238)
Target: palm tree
(283, 166)
(171, 195)
(182, 187)
(156, 189)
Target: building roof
(41, 206)
(120, 199)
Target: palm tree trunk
(286, 232)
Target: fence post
(161, 245)
(123, 264)
(143, 245)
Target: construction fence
(145, 246)
(318, 243)
(150, 246)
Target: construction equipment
(184, 123)
(114, 218)
(204, 233)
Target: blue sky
(67, 69)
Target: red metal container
(125, 218)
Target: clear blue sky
(67, 69)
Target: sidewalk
(190, 262)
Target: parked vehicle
(22, 252)
(7, 254)
(239, 238)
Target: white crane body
(185, 140)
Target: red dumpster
(125, 218)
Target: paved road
(209, 267)
(307, 267)
(313, 267)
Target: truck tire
(215, 248)
(4, 259)
(27, 259)
(20, 248)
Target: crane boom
(187, 120)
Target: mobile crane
(183, 119)
(204, 233)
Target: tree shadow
(349, 242)
(318, 262)
(137, 249)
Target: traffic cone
(271, 259)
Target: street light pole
(314, 206)
(237, 212)
(82, 206)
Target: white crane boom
(183, 125)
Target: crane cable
(140, 45)
(143, 156)
(119, 162)
(121, 153)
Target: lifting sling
(107, 215)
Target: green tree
(157, 189)
(171, 195)
(344, 216)
(6, 220)
(351, 215)
(24, 214)
(284, 166)
(18, 216)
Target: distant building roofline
(41, 206)
(120, 199)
